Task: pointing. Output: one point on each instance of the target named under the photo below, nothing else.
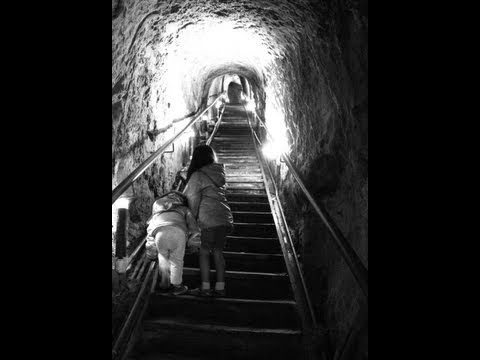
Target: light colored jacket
(206, 196)
(169, 211)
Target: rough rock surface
(307, 65)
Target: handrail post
(121, 237)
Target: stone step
(225, 311)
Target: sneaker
(200, 292)
(179, 289)
(219, 293)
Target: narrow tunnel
(302, 67)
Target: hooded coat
(169, 210)
(206, 194)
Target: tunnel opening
(303, 66)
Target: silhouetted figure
(235, 93)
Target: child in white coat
(170, 227)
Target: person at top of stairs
(205, 191)
(171, 224)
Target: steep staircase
(258, 318)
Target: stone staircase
(258, 318)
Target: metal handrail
(127, 182)
(217, 125)
(353, 261)
(289, 238)
(126, 330)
